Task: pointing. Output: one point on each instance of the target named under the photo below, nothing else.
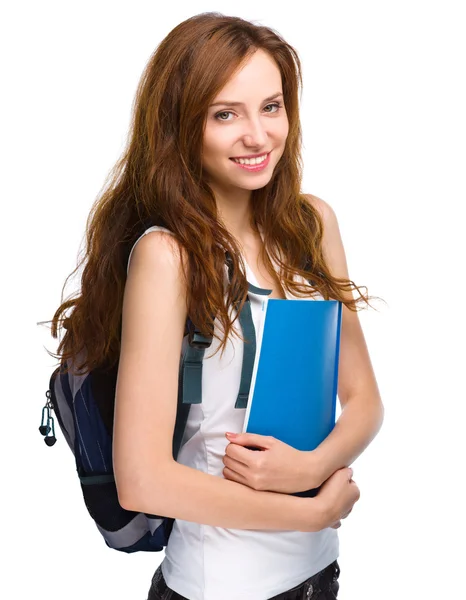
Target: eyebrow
(222, 102)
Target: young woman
(213, 166)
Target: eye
(224, 112)
(276, 105)
(219, 115)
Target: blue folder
(294, 383)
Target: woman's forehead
(258, 78)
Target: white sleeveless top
(213, 563)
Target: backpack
(84, 406)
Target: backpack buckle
(199, 341)
(195, 337)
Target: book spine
(259, 336)
(337, 358)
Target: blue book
(295, 378)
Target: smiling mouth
(251, 161)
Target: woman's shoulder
(323, 207)
(331, 237)
(332, 243)
(158, 247)
(155, 288)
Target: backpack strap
(249, 347)
(249, 353)
(192, 365)
(249, 334)
(189, 381)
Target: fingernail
(229, 434)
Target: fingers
(240, 454)
(234, 465)
(250, 439)
(234, 476)
(337, 524)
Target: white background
(383, 113)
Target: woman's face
(246, 119)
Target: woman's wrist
(311, 470)
(310, 514)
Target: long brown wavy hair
(159, 180)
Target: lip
(252, 155)
(253, 168)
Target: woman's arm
(147, 478)
(362, 409)
(284, 469)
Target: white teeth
(251, 161)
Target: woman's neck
(234, 211)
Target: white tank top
(213, 563)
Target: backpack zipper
(47, 425)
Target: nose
(255, 135)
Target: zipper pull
(47, 423)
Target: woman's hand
(337, 496)
(277, 467)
